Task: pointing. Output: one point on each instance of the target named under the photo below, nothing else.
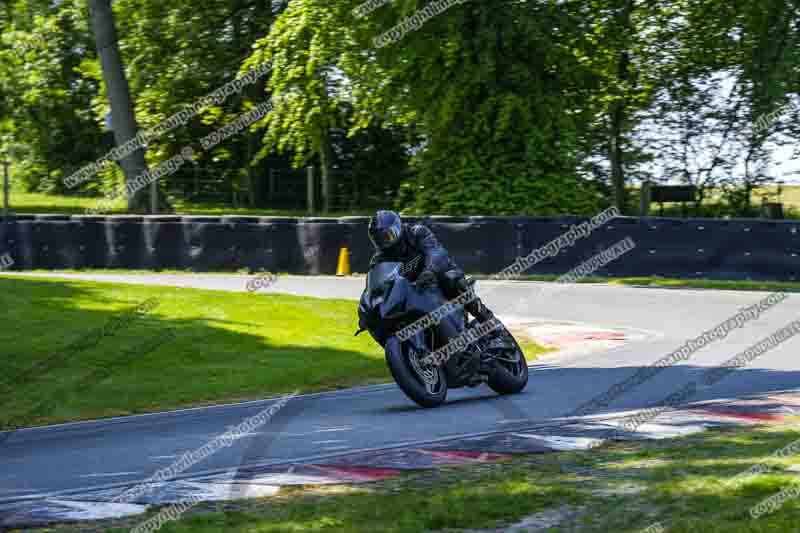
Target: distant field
(24, 202)
(28, 203)
(790, 195)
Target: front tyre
(509, 374)
(425, 385)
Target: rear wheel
(509, 374)
(424, 384)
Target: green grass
(737, 285)
(24, 202)
(624, 487)
(710, 284)
(209, 208)
(40, 203)
(132, 272)
(227, 347)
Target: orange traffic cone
(344, 263)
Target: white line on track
(112, 474)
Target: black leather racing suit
(419, 250)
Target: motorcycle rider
(423, 257)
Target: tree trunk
(616, 161)
(617, 115)
(325, 157)
(122, 117)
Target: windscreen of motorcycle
(380, 274)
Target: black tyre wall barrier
(248, 240)
(355, 239)
(93, 234)
(537, 232)
(479, 245)
(8, 239)
(166, 243)
(683, 248)
(211, 245)
(55, 243)
(23, 254)
(282, 248)
(320, 241)
(125, 242)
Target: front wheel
(424, 384)
(509, 374)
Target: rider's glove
(426, 279)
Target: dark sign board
(672, 193)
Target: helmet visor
(385, 238)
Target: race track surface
(72, 460)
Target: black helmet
(385, 229)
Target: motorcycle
(391, 302)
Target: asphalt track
(72, 459)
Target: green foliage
(503, 107)
(46, 102)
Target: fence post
(5, 191)
(271, 184)
(311, 192)
(154, 197)
(326, 201)
(644, 199)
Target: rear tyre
(509, 374)
(425, 385)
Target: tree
(119, 98)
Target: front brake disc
(428, 373)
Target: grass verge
(72, 350)
(683, 484)
(674, 283)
